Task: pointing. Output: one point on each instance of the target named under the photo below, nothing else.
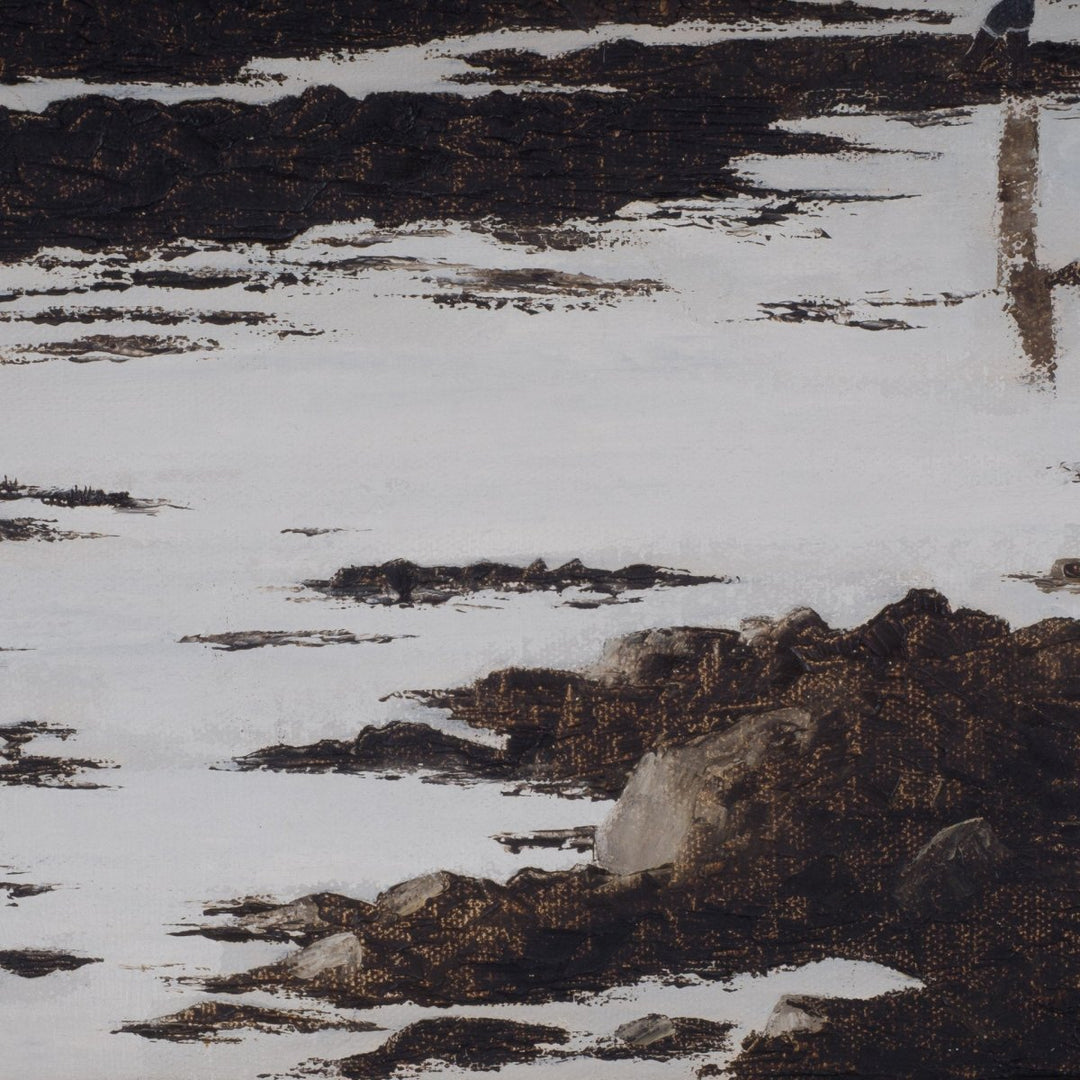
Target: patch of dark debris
(241, 640)
(402, 582)
(37, 963)
(217, 1021)
(22, 890)
(827, 311)
(19, 768)
(113, 347)
(57, 316)
(11, 490)
(23, 529)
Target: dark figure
(1008, 19)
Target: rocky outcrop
(460, 1042)
(680, 803)
(794, 1013)
(647, 657)
(393, 748)
(798, 793)
(661, 1038)
(646, 1031)
(956, 865)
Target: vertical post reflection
(1026, 284)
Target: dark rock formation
(795, 1013)
(833, 818)
(217, 1019)
(948, 1032)
(958, 863)
(211, 40)
(36, 963)
(403, 582)
(661, 1038)
(479, 1043)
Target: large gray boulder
(410, 896)
(677, 800)
(958, 863)
(646, 1030)
(794, 1013)
(338, 952)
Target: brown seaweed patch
(828, 311)
(36, 963)
(217, 1020)
(403, 582)
(38, 529)
(117, 348)
(20, 768)
(240, 640)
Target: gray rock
(410, 896)
(793, 1013)
(333, 953)
(761, 631)
(301, 916)
(646, 1030)
(661, 816)
(649, 655)
(954, 866)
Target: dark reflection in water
(1026, 284)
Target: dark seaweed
(404, 582)
(36, 963)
